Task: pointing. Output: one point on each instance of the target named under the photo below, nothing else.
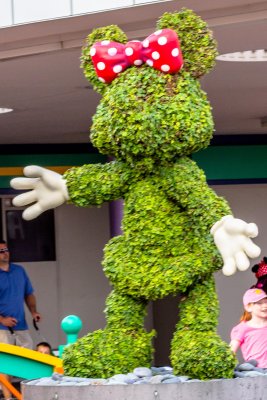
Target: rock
(75, 379)
(168, 376)
(239, 374)
(161, 370)
(156, 379)
(141, 382)
(57, 377)
(245, 367)
(262, 370)
(172, 380)
(183, 378)
(119, 378)
(253, 373)
(142, 372)
(131, 377)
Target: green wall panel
(18, 160)
(233, 162)
(219, 162)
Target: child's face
(258, 309)
(43, 349)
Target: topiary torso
(151, 123)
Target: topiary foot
(104, 353)
(202, 355)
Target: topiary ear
(255, 268)
(198, 46)
(112, 33)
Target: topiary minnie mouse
(152, 116)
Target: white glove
(49, 190)
(232, 238)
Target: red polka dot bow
(161, 50)
(262, 269)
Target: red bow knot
(161, 50)
(262, 269)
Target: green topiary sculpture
(151, 121)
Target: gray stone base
(222, 389)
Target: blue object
(15, 285)
(71, 326)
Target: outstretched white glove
(49, 190)
(232, 238)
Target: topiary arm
(94, 184)
(186, 183)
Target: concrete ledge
(224, 389)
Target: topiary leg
(122, 346)
(196, 349)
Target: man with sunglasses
(15, 290)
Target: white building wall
(13, 12)
(5, 13)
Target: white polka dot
(105, 42)
(112, 51)
(100, 65)
(146, 43)
(138, 62)
(162, 40)
(117, 69)
(155, 55)
(158, 32)
(92, 51)
(175, 52)
(129, 51)
(150, 63)
(101, 79)
(165, 68)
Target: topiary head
(146, 113)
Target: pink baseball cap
(253, 296)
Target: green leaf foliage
(147, 114)
(202, 355)
(104, 353)
(151, 123)
(122, 310)
(198, 46)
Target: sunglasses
(5, 250)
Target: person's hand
(9, 322)
(48, 190)
(232, 238)
(36, 316)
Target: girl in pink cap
(251, 333)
